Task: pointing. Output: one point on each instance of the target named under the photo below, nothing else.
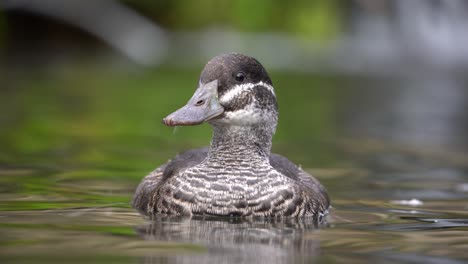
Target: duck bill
(203, 106)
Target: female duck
(237, 175)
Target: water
(75, 142)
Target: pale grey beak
(203, 106)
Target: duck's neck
(248, 143)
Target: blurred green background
(318, 19)
(84, 85)
(60, 95)
(372, 98)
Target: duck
(237, 175)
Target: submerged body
(237, 175)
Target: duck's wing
(142, 200)
(291, 170)
(146, 188)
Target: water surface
(75, 142)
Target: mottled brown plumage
(237, 175)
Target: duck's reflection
(236, 240)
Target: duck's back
(308, 190)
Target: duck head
(233, 90)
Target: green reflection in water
(76, 140)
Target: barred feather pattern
(237, 176)
(234, 180)
(200, 190)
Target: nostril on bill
(201, 102)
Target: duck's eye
(240, 76)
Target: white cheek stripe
(238, 89)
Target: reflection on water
(68, 171)
(236, 240)
(365, 225)
(76, 140)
